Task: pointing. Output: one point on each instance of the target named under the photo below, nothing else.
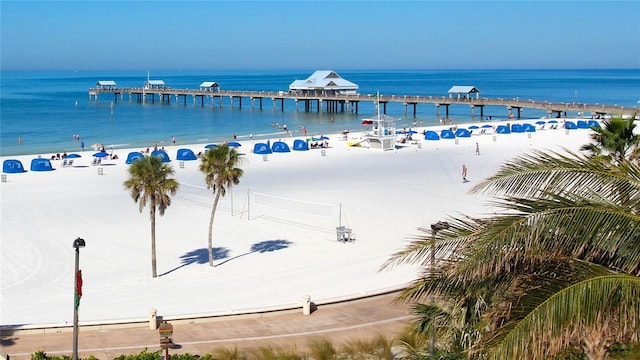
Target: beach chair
(94, 162)
(64, 163)
(70, 163)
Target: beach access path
(349, 321)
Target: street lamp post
(440, 225)
(77, 244)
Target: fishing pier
(335, 103)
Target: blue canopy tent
(133, 156)
(447, 134)
(12, 166)
(185, 154)
(431, 135)
(503, 129)
(161, 154)
(528, 128)
(463, 133)
(261, 148)
(594, 123)
(570, 125)
(300, 145)
(517, 128)
(582, 124)
(40, 164)
(280, 147)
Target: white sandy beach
(385, 197)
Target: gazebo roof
(463, 90)
(323, 79)
(209, 84)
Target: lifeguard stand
(383, 134)
(345, 234)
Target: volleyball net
(301, 212)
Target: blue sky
(339, 35)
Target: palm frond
(550, 315)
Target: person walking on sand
(477, 149)
(464, 172)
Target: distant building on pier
(106, 84)
(210, 86)
(154, 84)
(464, 92)
(323, 82)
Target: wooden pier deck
(350, 102)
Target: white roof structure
(155, 82)
(464, 90)
(106, 83)
(324, 80)
(209, 84)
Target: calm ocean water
(45, 109)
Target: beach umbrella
(73, 156)
(553, 121)
(472, 127)
(541, 122)
(322, 137)
(487, 126)
(234, 144)
(412, 132)
(210, 146)
(101, 154)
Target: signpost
(166, 342)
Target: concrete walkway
(361, 319)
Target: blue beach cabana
(447, 134)
(261, 149)
(582, 124)
(593, 123)
(40, 164)
(570, 125)
(185, 154)
(503, 129)
(528, 128)
(463, 133)
(161, 154)
(431, 135)
(133, 156)
(280, 147)
(517, 128)
(300, 145)
(12, 166)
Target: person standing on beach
(477, 149)
(82, 145)
(464, 172)
(173, 140)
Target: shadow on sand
(199, 256)
(262, 247)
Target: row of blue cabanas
(279, 147)
(13, 166)
(504, 129)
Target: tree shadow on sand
(200, 256)
(262, 247)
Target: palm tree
(219, 164)
(149, 182)
(616, 141)
(559, 264)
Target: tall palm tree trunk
(213, 214)
(154, 271)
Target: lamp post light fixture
(77, 244)
(440, 225)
